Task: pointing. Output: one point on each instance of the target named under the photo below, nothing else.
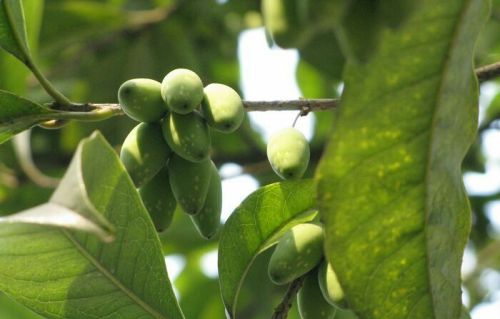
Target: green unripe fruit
(298, 251)
(310, 300)
(284, 20)
(187, 135)
(222, 107)
(144, 152)
(288, 152)
(182, 90)
(189, 182)
(207, 221)
(159, 200)
(330, 286)
(141, 100)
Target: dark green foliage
(284, 20)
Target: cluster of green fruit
(300, 253)
(167, 154)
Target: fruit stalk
(281, 311)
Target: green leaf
(389, 186)
(78, 276)
(465, 314)
(254, 226)
(14, 73)
(10, 309)
(13, 29)
(68, 207)
(18, 114)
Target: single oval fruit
(222, 107)
(141, 100)
(182, 90)
(207, 220)
(288, 152)
(187, 135)
(189, 182)
(330, 286)
(310, 300)
(159, 200)
(298, 251)
(144, 152)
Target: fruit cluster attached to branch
(167, 154)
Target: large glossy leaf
(255, 225)
(390, 187)
(13, 29)
(66, 274)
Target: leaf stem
(96, 115)
(281, 311)
(49, 88)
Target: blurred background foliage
(88, 48)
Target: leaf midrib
(432, 131)
(112, 278)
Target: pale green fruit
(298, 251)
(189, 182)
(187, 135)
(207, 220)
(141, 100)
(288, 152)
(144, 152)
(330, 286)
(182, 90)
(222, 107)
(159, 200)
(310, 300)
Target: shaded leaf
(390, 186)
(321, 44)
(255, 225)
(78, 276)
(9, 309)
(14, 72)
(13, 29)
(18, 114)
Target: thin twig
(488, 72)
(281, 311)
(305, 106)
